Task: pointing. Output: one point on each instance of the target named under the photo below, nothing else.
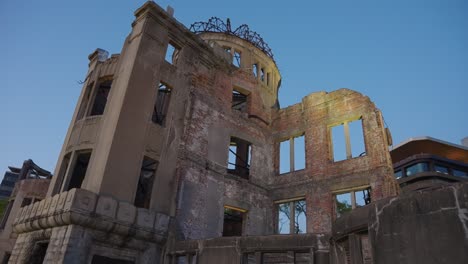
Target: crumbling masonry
(165, 158)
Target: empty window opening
(292, 154)
(345, 202)
(171, 53)
(162, 104)
(79, 170)
(348, 140)
(62, 172)
(262, 74)
(239, 101)
(145, 183)
(233, 221)
(85, 102)
(237, 59)
(292, 217)
(268, 78)
(100, 98)
(38, 252)
(97, 259)
(26, 201)
(285, 157)
(239, 157)
(255, 70)
(356, 135)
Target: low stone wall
(301, 248)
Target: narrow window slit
(145, 183)
(162, 104)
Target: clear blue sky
(409, 57)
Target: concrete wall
(428, 226)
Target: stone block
(106, 207)
(161, 224)
(78, 207)
(145, 218)
(106, 210)
(126, 213)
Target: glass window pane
(417, 168)
(283, 218)
(441, 169)
(459, 173)
(398, 174)
(343, 203)
(362, 197)
(299, 153)
(284, 157)
(300, 214)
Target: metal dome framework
(217, 25)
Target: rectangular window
(161, 105)
(38, 252)
(62, 172)
(292, 217)
(145, 183)
(79, 170)
(262, 74)
(172, 53)
(285, 157)
(348, 140)
(97, 259)
(255, 70)
(459, 173)
(239, 101)
(345, 202)
(292, 154)
(85, 102)
(441, 169)
(398, 174)
(417, 168)
(237, 59)
(268, 78)
(356, 135)
(100, 98)
(233, 221)
(239, 157)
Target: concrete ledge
(87, 209)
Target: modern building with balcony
(426, 162)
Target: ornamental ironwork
(216, 25)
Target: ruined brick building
(173, 156)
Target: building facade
(178, 151)
(31, 184)
(8, 182)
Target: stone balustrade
(99, 212)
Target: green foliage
(343, 207)
(3, 205)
